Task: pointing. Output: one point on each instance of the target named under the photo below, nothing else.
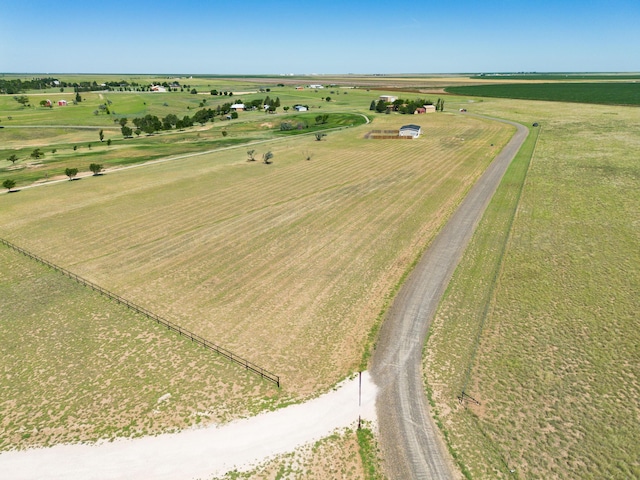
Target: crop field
(609, 93)
(286, 264)
(540, 323)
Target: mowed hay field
(286, 264)
(557, 368)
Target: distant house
(238, 107)
(158, 88)
(48, 103)
(388, 98)
(316, 86)
(299, 88)
(410, 131)
(62, 103)
(300, 108)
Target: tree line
(404, 106)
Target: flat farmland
(286, 264)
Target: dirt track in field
(411, 443)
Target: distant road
(411, 442)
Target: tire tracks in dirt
(411, 443)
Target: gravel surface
(411, 443)
(200, 453)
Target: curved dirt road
(411, 444)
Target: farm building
(48, 103)
(238, 107)
(426, 109)
(158, 88)
(316, 86)
(62, 103)
(300, 108)
(388, 98)
(410, 131)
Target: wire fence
(143, 311)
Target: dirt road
(412, 445)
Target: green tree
(381, 106)
(71, 172)
(36, 154)
(108, 142)
(13, 159)
(101, 135)
(373, 105)
(9, 184)
(126, 131)
(22, 100)
(319, 136)
(96, 168)
(251, 155)
(123, 121)
(78, 97)
(328, 99)
(266, 157)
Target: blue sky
(254, 37)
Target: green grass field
(55, 130)
(609, 93)
(555, 310)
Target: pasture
(540, 322)
(287, 264)
(78, 367)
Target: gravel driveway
(411, 443)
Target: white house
(388, 98)
(410, 131)
(316, 86)
(300, 108)
(158, 88)
(238, 107)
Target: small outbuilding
(388, 98)
(300, 108)
(410, 131)
(62, 103)
(238, 107)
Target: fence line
(143, 311)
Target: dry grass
(288, 264)
(78, 367)
(334, 457)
